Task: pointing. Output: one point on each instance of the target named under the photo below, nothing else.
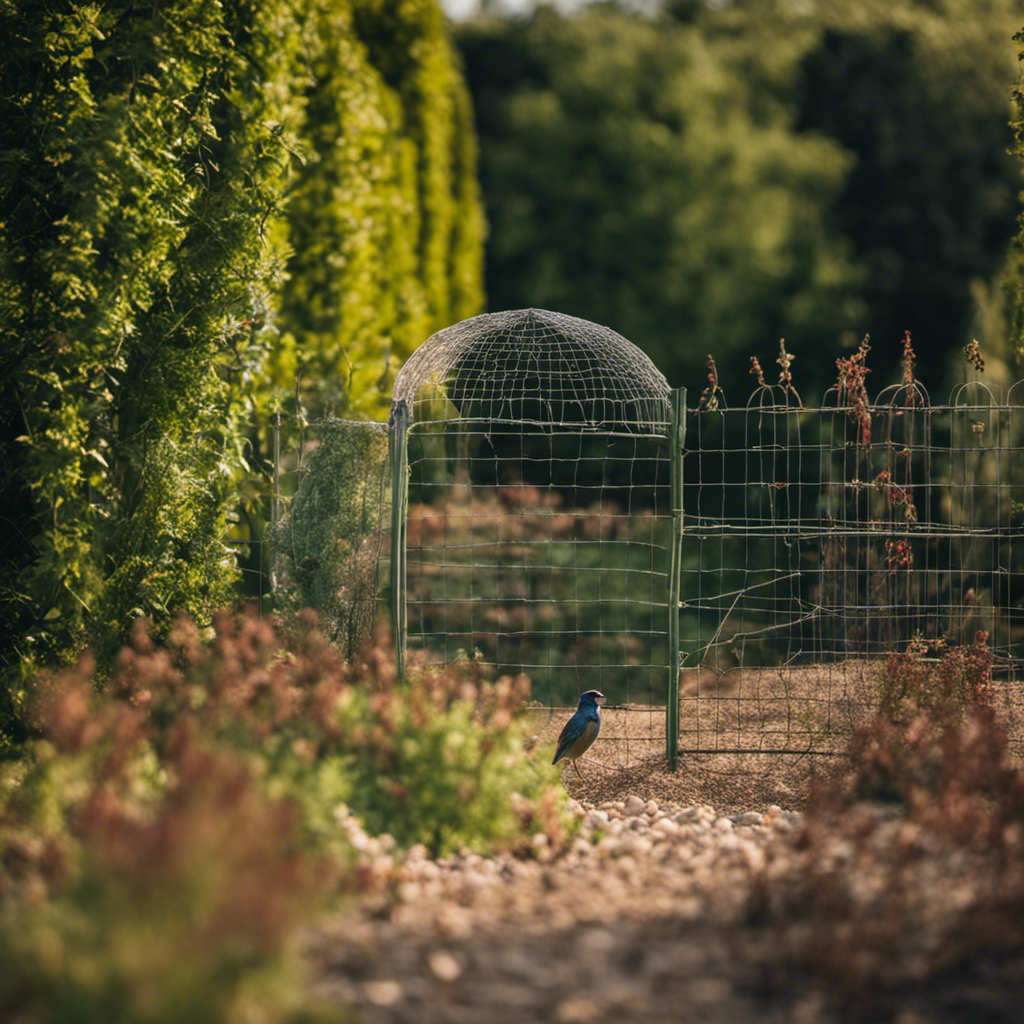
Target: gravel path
(645, 917)
(656, 912)
(632, 922)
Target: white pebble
(748, 818)
(634, 806)
(384, 992)
(444, 966)
(666, 827)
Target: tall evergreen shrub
(384, 219)
(198, 203)
(140, 159)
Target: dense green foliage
(161, 843)
(634, 179)
(198, 203)
(138, 166)
(917, 92)
(711, 177)
(327, 546)
(384, 224)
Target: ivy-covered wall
(200, 204)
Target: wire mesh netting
(537, 528)
(328, 539)
(545, 512)
(819, 541)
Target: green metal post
(677, 439)
(398, 453)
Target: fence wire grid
(535, 529)
(540, 530)
(820, 540)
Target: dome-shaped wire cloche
(537, 367)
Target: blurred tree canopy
(711, 177)
(198, 204)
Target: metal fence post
(398, 454)
(677, 438)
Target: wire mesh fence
(541, 500)
(327, 539)
(536, 530)
(818, 541)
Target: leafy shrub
(922, 703)
(435, 759)
(912, 861)
(441, 760)
(943, 687)
(163, 840)
(144, 881)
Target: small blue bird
(581, 730)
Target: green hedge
(198, 203)
(384, 224)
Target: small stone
(382, 992)
(597, 941)
(690, 909)
(634, 806)
(444, 966)
(748, 818)
(641, 846)
(651, 808)
(577, 1011)
(359, 840)
(453, 922)
(722, 825)
(665, 827)
(617, 846)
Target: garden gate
(532, 507)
